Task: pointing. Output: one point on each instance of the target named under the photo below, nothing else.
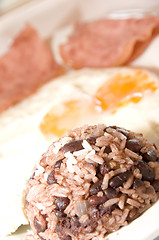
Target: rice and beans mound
(91, 182)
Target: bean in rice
(91, 182)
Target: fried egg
(125, 97)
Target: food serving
(108, 42)
(91, 182)
(36, 108)
(27, 65)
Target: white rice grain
(80, 153)
(127, 191)
(121, 202)
(102, 141)
(78, 180)
(70, 161)
(133, 202)
(57, 146)
(132, 154)
(129, 182)
(40, 206)
(124, 215)
(86, 145)
(105, 181)
(96, 158)
(110, 202)
(114, 148)
(39, 170)
(83, 218)
(65, 140)
(91, 169)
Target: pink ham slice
(28, 64)
(108, 42)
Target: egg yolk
(118, 91)
(68, 115)
(123, 89)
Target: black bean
(107, 149)
(104, 168)
(147, 172)
(75, 226)
(73, 146)
(150, 156)
(91, 140)
(106, 211)
(131, 217)
(59, 214)
(61, 203)
(94, 212)
(134, 145)
(67, 222)
(98, 173)
(110, 193)
(138, 183)
(119, 179)
(40, 223)
(99, 176)
(51, 178)
(95, 200)
(95, 188)
(155, 184)
(61, 226)
(58, 164)
(60, 229)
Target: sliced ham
(108, 42)
(27, 65)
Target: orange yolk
(123, 89)
(71, 114)
(117, 92)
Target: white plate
(47, 17)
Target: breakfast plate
(24, 131)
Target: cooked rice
(121, 202)
(91, 182)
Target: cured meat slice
(108, 42)
(28, 64)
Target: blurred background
(7, 5)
